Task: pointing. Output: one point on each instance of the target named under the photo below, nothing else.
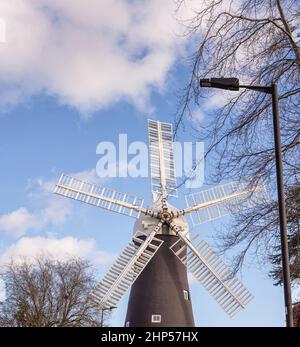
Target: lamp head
(230, 83)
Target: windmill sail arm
(212, 273)
(161, 157)
(210, 268)
(216, 201)
(162, 170)
(104, 198)
(99, 196)
(127, 268)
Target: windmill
(155, 262)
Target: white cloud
(217, 99)
(29, 248)
(53, 210)
(20, 221)
(41, 188)
(197, 115)
(89, 175)
(88, 54)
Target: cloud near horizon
(29, 248)
(53, 211)
(21, 220)
(88, 57)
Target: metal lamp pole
(233, 84)
(102, 312)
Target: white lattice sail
(126, 269)
(213, 274)
(162, 166)
(99, 196)
(216, 202)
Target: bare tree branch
(49, 293)
(256, 41)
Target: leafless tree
(296, 313)
(293, 207)
(258, 42)
(49, 293)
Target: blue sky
(69, 79)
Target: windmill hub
(166, 216)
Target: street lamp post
(102, 312)
(233, 84)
